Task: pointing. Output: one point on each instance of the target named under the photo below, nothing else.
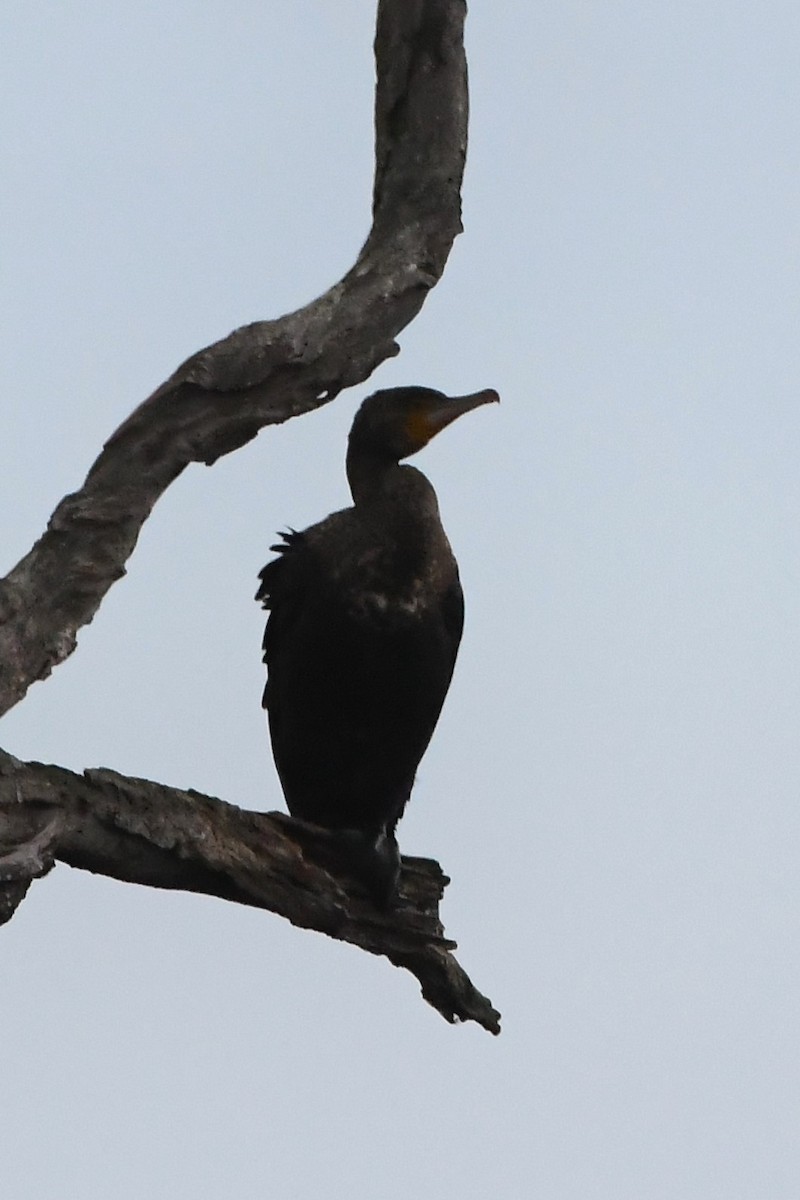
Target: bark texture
(215, 402)
(143, 832)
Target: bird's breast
(382, 604)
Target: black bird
(365, 618)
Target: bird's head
(397, 422)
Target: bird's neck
(398, 505)
(377, 481)
(370, 474)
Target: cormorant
(365, 618)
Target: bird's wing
(285, 583)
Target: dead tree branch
(143, 832)
(269, 371)
(214, 403)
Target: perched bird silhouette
(365, 619)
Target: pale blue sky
(614, 784)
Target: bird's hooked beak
(439, 413)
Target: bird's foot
(374, 860)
